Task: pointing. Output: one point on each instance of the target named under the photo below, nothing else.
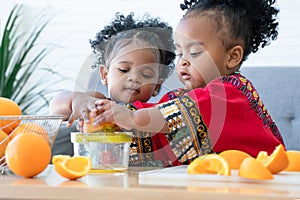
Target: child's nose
(184, 62)
(134, 78)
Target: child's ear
(157, 87)
(235, 56)
(103, 73)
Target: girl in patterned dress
(222, 109)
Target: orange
(30, 128)
(276, 162)
(28, 154)
(234, 157)
(89, 128)
(294, 160)
(72, 167)
(4, 140)
(7, 108)
(209, 164)
(253, 169)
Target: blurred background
(74, 22)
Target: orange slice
(60, 158)
(276, 162)
(253, 169)
(294, 160)
(72, 167)
(209, 164)
(234, 157)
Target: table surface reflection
(127, 185)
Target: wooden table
(49, 185)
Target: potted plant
(23, 77)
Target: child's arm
(73, 104)
(61, 105)
(148, 119)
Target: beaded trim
(255, 102)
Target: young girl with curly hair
(134, 58)
(221, 109)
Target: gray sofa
(277, 86)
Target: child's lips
(184, 75)
(132, 91)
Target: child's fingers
(100, 102)
(85, 115)
(71, 120)
(104, 117)
(91, 106)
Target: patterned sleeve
(188, 135)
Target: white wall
(77, 21)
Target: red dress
(227, 114)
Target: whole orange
(4, 139)
(30, 128)
(7, 108)
(28, 154)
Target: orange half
(276, 162)
(294, 160)
(253, 169)
(89, 128)
(72, 167)
(209, 164)
(234, 157)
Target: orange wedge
(253, 169)
(294, 160)
(72, 167)
(276, 162)
(234, 157)
(209, 164)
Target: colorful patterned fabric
(227, 114)
(152, 149)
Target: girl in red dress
(222, 109)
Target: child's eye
(147, 76)
(179, 55)
(123, 70)
(196, 54)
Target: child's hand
(81, 104)
(107, 111)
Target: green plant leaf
(21, 60)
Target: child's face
(132, 75)
(201, 57)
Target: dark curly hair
(148, 32)
(253, 23)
